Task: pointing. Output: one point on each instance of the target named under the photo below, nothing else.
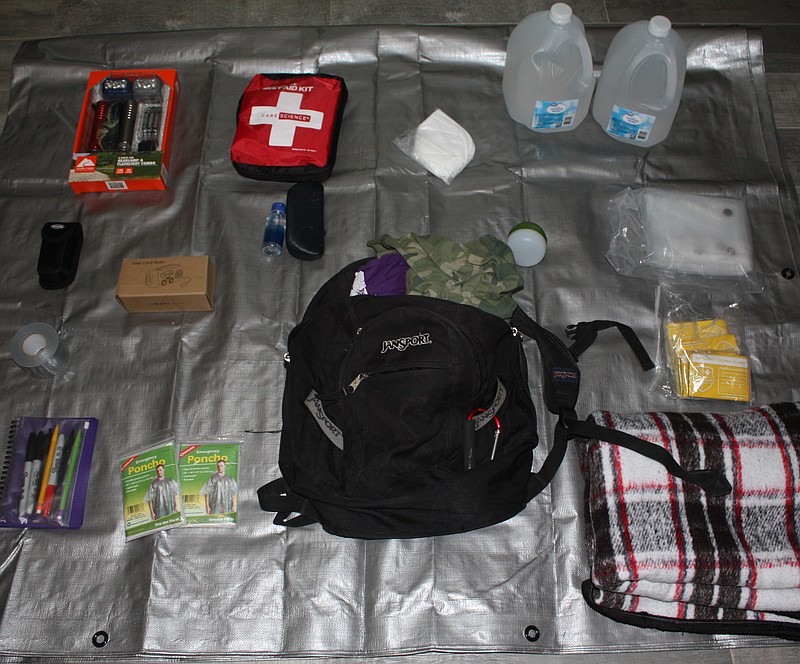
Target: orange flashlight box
(125, 131)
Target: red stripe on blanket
(790, 487)
(737, 501)
(623, 514)
(680, 541)
(696, 565)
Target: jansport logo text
(563, 375)
(404, 342)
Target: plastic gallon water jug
(641, 83)
(548, 80)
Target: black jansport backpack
(410, 416)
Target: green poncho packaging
(209, 473)
(151, 492)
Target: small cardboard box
(174, 283)
(124, 131)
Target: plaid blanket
(659, 547)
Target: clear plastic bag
(702, 352)
(680, 237)
(439, 144)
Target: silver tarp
(260, 589)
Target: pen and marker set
(45, 472)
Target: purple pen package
(45, 472)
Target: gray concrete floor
(22, 20)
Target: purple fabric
(386, 275)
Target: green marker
(73, 462)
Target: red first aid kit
(288, 127)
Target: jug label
(554, 114)
(630, 124)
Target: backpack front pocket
(405, 381)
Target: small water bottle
(274, 231)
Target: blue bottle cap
(279, 206)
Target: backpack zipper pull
(352, 387)
(496, 438)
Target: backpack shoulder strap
(562, 377)
(292, 510)
(584, 335)
(713, 482)
(562, 382)
(561, 389)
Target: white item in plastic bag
(668, 234)
(707, 235)
(439, 144)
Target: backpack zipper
(360, 378)
(434, 314)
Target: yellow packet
(696, 336)
(714, 376)
(697, 329)
(725, 343)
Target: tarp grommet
(532, 633)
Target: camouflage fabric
(481, 272)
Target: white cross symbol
(285, 117)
